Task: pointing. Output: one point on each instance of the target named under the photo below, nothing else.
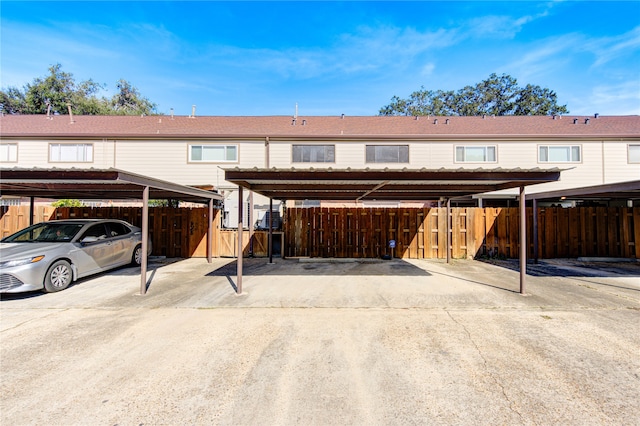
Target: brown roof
(318, 126)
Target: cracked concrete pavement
(327, 343)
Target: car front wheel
(136, 258)
(58, 277)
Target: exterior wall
(169, 160)
(35, 153)
(601, 161)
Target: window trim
(225, 145)
(579, 146)
(637, 145)
(8, 145)
(85, 144)
(464, 147)
(388, 162)
(313, 145)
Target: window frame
(398, 146)
(637, 147)
(293, 156)
(190, 147)
(465, 161)
(7, 146)
(570, 148)
(80, 144)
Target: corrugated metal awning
(103, 184)
(383, 184)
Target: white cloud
(619, 99)
(608, 49)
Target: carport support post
(210, 233)
(535, 230)
(270, 230)
(240, 247)
(448, 230)
(31, 210)
(145, 240)
(523, 239)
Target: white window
(71, 152)
(213, 153)
(8, 152)
(314, 153)
(634, 154)
(387, 154)
(559, 154)
(475, 154)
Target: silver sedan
(51, 255)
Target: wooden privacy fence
(174, 232)
(365, 233)
(493, 232)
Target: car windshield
(45, 232)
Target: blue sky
(331, 57)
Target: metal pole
(240, 246)
(535, 231)
(210, 233)
(270, 230)
(145, 240)
(523, 240)
(251, 220)
(448, 230)
(32, 208)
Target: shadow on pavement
(342, 267)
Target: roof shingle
(317, 126)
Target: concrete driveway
(319, 343)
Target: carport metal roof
(629, 190)
(386, 184)
(383, 184)
(94, 184)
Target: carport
(386, 185)
(105, 184)
(628, 191)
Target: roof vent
(446, 121)
(342, 116)
(304, 122)
(293, 122)
(435, 121)
(71, 121)
(416, 117)
(586, 121)
(575, 120)
(553, 116)
(193, 111)
(172, 113)
(596, 115)
(484, 116)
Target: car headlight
(20, 262)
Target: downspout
(266, 152)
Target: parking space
(327, 342)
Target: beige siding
(168, 160)
(35, 153)
(617, 167)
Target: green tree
(128, 101)
(497, 95)
(58, 91)
(67, 203)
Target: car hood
(12, 251)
